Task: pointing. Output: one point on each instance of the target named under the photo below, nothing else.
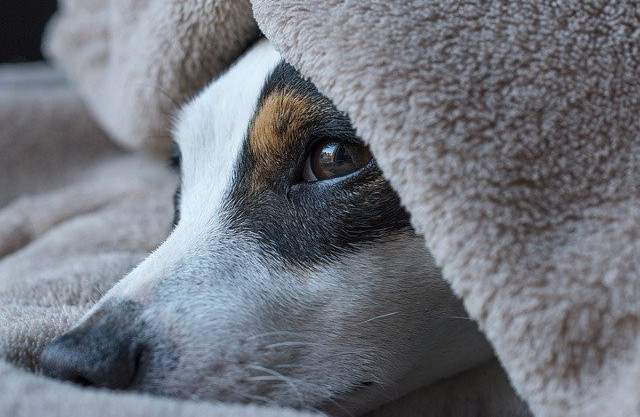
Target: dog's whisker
(344, 353)
(253, 397)
(457, 317)
(381, 316)
(290, 366)
(264, 378)
(326, 392)
(265, 370)
(275, 333)
(287, 380)
(292, 344)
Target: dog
(292, 275)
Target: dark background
(21, 25)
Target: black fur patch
(175, 160)
(308, 223)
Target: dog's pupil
(335, 159)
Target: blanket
(509, 130)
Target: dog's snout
(100, 356)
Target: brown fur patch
(277, 130)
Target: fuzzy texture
(33, 98)
(509, 129)
(50, 398)
(136, 61)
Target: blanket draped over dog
(509, 129)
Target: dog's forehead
(212, 128)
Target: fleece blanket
(509, 130)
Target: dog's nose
(100, 356)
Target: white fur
(212, 127)
(247, 328)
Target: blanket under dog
(509, 130)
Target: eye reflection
(333, 159)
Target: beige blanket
(509, 129)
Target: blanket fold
(132, 65)
(509, 130)
(48, 397)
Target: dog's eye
(332, 159)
